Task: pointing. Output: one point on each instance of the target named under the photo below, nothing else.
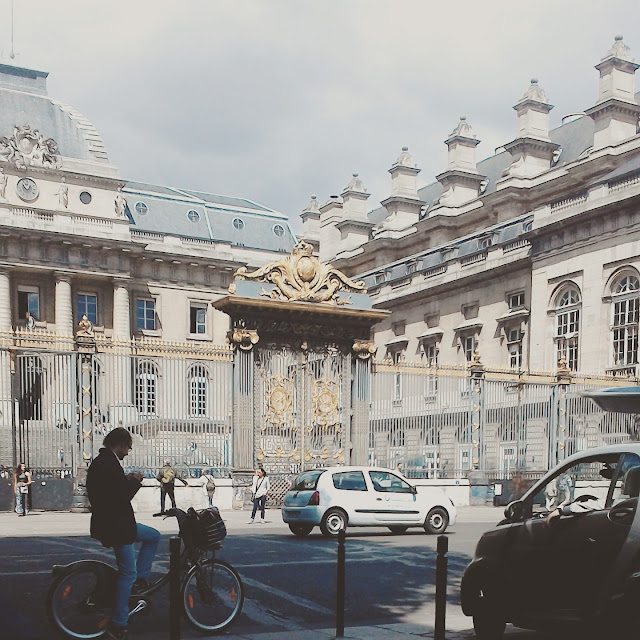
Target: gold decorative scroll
(243, 338)
(364, 349)
(302, 277)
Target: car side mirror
(414, 489)
(514, 511)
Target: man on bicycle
(113, 523)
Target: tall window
(198, 381)
(397, 357)
(198, 319)
(469, 346)
(28, 302)
(430, 351)
(146, 389)
(87, 305)
(568, 326)
(145, 314)
(625, 305)
(514, 345)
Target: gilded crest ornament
(302, 277)
(28, 147)
(278, 400)
(325, 403)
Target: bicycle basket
(210, 529)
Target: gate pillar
(243, 341)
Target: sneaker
(263, 522)
(250, 521)
(140, 585)
(117, 633)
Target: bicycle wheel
(213, 595)
(79, 601)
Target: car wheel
(488, 623)
(437, 521)
(332, 521)
(398, 528)
(301, 530)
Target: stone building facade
(527, 259)
(77, 239)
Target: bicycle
(212, 594)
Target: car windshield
(307, 481)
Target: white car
(337, 497)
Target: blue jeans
(22, 502)
(129, 570)
(258, 503)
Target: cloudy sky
(276, 100)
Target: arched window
(198, 383)
(625, 305)
(146, 388)
(567, 312)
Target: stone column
(64, 307)
(121, 313)
(5, 301)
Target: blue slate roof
(24, 101)
(193, 214)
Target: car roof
(347, 468)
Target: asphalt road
(290, 582)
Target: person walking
(22, 488)
(112, 523)
(209, 485)
(167, 478)
(259, 492)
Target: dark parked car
(580, 569)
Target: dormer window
(411, 267)
(238, 224)
(485, 243)
(141, 208)
(380, 278)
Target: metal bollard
(340, 579)
(174, 588)
(441, 587)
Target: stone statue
(63, 195)
(121, 203)
(3, 183)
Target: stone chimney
(461, 180)
(311, 223)
(532, 151)
(355, 228)
(616, 113)
(330, 216)
(403, 205)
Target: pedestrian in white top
(259, 492)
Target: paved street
(290, 582)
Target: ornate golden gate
(302, 401)
(301, 332)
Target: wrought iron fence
(444, 422)
(174, 399)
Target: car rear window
(349, 481)
(307, 481)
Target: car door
(394, 497)
(349, 491)
(551, 570)
(586, 545)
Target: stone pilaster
(63, 304)
(121, 311)
(5, 300)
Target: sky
(275, 100)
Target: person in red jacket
(114, 525)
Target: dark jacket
(110, 492)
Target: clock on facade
(27, 189)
